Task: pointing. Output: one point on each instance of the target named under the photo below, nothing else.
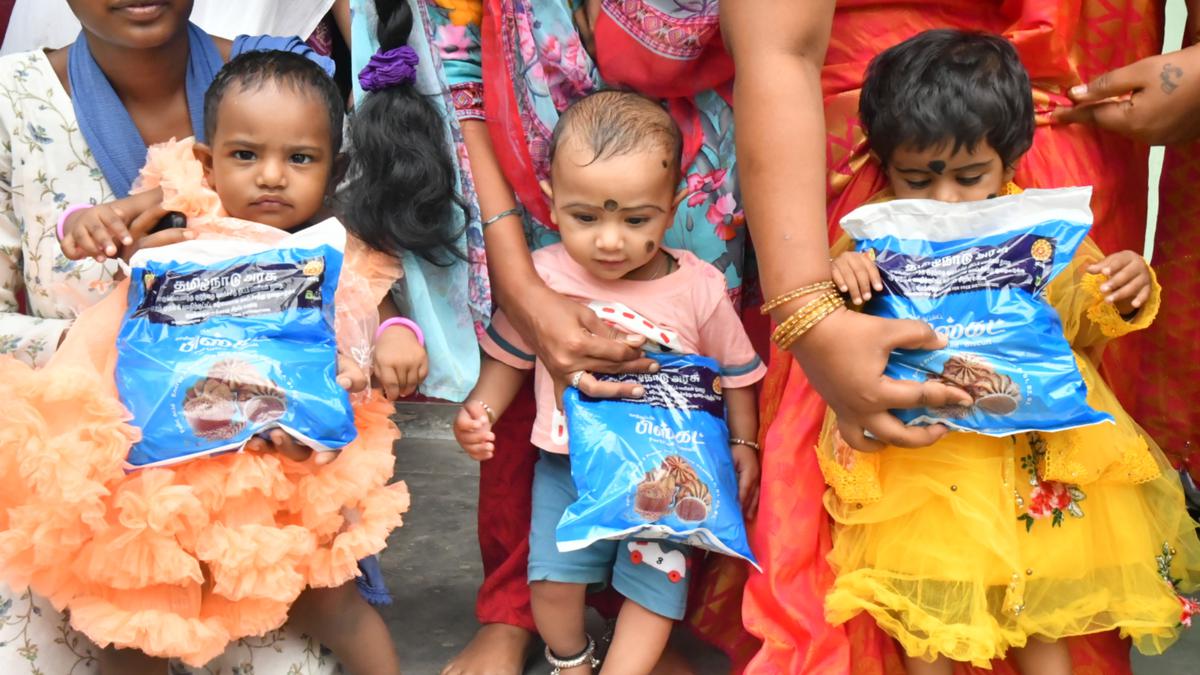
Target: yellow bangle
(782, 300)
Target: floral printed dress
(45, 166)
(969, 547)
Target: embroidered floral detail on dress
(726, 217)
(675, 28)
(1188, 607)
(1048, 498)
(701, 186)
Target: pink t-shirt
(691, 303)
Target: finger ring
(576, 378)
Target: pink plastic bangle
(401, 321)
(62, 220)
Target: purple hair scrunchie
(389, 69)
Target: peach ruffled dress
(179, 561)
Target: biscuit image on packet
(976, 272)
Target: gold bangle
(782, 300)
(803, 319)
(487, 410)
(785, 341)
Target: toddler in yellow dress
(977, 545)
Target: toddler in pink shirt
(615, 169)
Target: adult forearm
(509, 263)
(780, 134)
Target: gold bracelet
(785, 341)
(487, 409)
(800, 316)
(803, 319)
(824, 313)
(749, 444)
(782, 300)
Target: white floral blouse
(45, 166)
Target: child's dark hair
(253, 70)
(613, 123)
(948, 85)
(401, 192)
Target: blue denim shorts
(651, 572)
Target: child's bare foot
(496, 649)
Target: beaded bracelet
(401, 321)
(781, 300)
(62, 220)
(749, 444)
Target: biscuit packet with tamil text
(976, 272)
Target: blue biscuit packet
(224, 339)
(657, 467)
(976, 272)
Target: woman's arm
(779, 47)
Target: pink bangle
(62, 220)
(401, 321)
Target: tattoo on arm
(1170, 77)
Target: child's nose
(609, 238)
(947, 191)
(271, 174)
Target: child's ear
(204, 155)
(549, 192)
(1009, 172)
(341, 164)
(679, 197)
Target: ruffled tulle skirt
(175, 561)
(969, 552)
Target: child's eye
(969, 180)
(637, 220)
(300, 158)
(585, 217)
(918, 184)
(243, 155)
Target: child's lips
(270, 204)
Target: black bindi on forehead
(611, 205)
(937, 166)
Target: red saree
(1062, 44)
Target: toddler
(613, 188)
(978, 545)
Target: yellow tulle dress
(179, 561)
(969, 547)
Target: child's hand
(745, 462)
(473, 431)
(350, 376)
(279, 442)
(106, 230)
(856, 274)
(1128, 284)
(401, 363)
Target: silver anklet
(587, 656)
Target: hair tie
(389, 69)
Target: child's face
(612, 213)
(271, 156)
(945, 175)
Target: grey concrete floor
(432, 563)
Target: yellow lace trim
(1105, 314)
(463, 12)
(1071, 455)
(853, 475)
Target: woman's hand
(844, 356)
(1155, 100)
(856, 275)
(568, 337)
(114, 228)
(1128, 283)
(401, 363)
